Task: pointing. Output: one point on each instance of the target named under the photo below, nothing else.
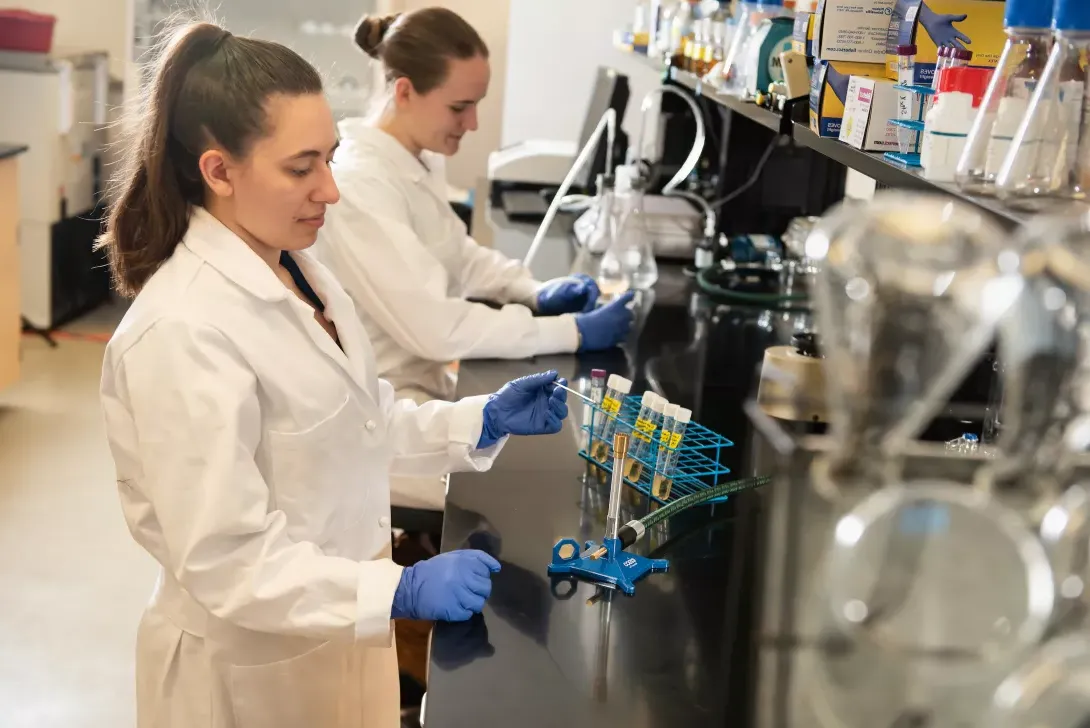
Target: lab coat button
(384, 521)
(370, 425)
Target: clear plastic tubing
(617, 388)
(907, 106)
(677, 434)
(960, 57)
(647, 425)
(669, 417)
(1019, 70)
(906, 64)
(1049, 159)
(941, 64)
(597, 392)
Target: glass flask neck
(1028, 34)
(1073, 36)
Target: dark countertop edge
(12, 150)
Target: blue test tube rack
(923, 94)
(699, 466)
(699, 463)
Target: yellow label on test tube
(611, 406)
(645, 430)
(675, 440)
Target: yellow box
(829, 92)
(976, 25)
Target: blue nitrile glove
(607, 326)
(839, 83)
(570, 294)
(531, 405)
(450, 587)
(941, 28)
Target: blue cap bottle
(1071, 15)
(1028, 14)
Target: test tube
(907, 104)
(664, 481)
(597, 391)
(613, 517)
(960, 57)
(946, 55)
(647, 424)
(617, 388)
(669, 415)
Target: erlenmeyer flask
(1065, 534)
(1061, 363)
(1020, 69)
(1039, 355)
(601, 234)
(630, 260)
(1052, 690)
(933, 591)
(1049, 159)
(940, 572)
(908, 298)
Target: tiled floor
(72, 582)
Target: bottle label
(664, 438)
(611, 406)
(675, 440)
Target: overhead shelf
(873, 165)
(885, 173)
(764, 117)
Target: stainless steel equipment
(905, 583)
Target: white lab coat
(253, 458)
(404, 256)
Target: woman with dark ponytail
(252, 439)
(404, 255)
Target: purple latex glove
(941, 28)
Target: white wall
(90, 25)
(550, 73)
(489, 17)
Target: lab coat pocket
(315, 474)
(311, 689)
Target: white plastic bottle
(948, 125)
(951, 119)
(630, 260)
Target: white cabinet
(57, 108)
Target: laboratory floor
(72, 582)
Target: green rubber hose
(695, 499)
(713, 289)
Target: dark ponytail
(209, 88)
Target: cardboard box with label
(852, 30)
(803, 35)
(829, 86)
(976, 25)
(870, 109)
